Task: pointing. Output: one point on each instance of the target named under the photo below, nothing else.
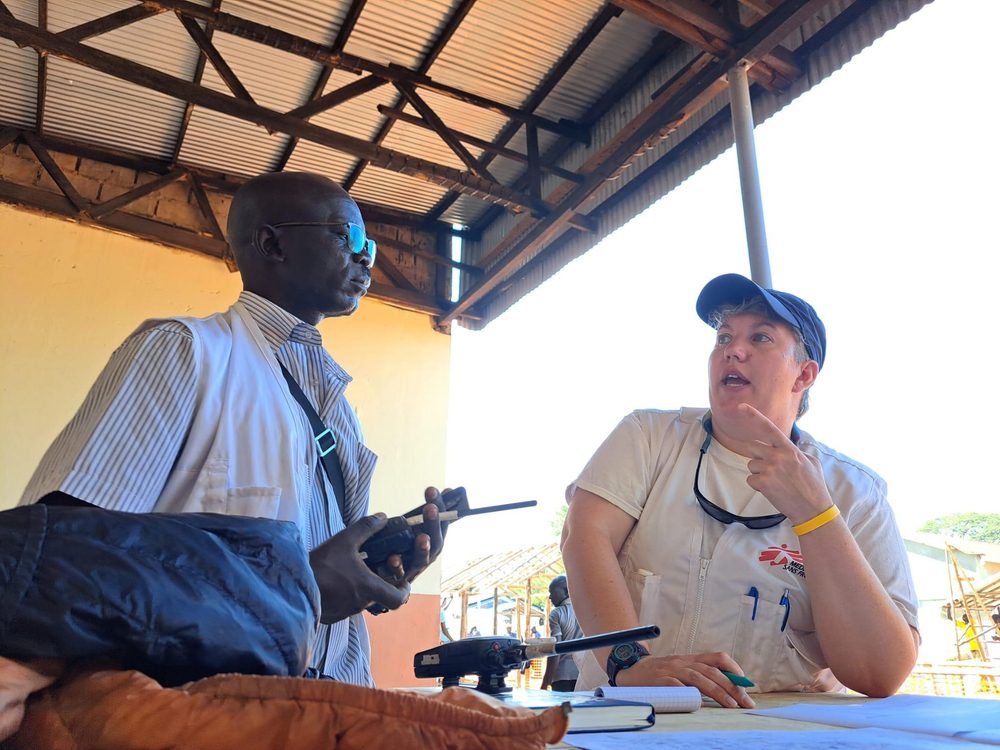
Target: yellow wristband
(816, 521)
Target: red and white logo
(788, 559)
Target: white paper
(972, 718)
(832, 739)
(664, 700)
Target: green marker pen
(737, 679)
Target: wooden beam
(43, 70)
(308, 49)
(213, 222)
(347, 26)
(672, 106)
(396, 276)
(219, 182)
(454, 21)
(534, 175)
(210, 51)
(661, 45)
(343, 34)
(199, 71)
(398, 114)
(102, 209)
(336, 97)
(206, 207)
(561, 68)
(26, 35)
(439, 260)
(107, 23)
(135, 225)
(707, 18)
(414, 301)
(8, 136)
(58, 176)
(437, 125)
(138, 226)
(653, 12)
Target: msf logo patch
(788, 559)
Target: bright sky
(882, 205)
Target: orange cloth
(127, 710)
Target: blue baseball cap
(733, 289)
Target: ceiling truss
(725, 32)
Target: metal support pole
(746, 157)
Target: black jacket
(177, 596)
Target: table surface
(715, 718)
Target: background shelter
(520, 575)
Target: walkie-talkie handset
(399, 534)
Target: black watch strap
(623, 656)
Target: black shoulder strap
(326, 442)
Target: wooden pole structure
(464, 627)
(496, 611)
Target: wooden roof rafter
(313, 105)
(661, 45)
(581, 74)
(208, 237)
(199, 72)
(705, 28)
(24, 34)
(432, 54)
(558, 72)
(679, 100)
(506, 570)
(43, 70)
(301, 47)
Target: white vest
(704, 603)
(246, 453)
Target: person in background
(758, 550)
(201, 414)
(446, 636)
(561, 671)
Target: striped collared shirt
(563, 626)
(118, 450)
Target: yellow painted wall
(69, 294)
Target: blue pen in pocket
(756, 598)
(787, 604)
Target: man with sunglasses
(758, 551)
(243, 412)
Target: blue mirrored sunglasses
(357, 242)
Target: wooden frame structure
(519, 574)
(548, 165)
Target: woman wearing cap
(759, 551)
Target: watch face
(625, 653)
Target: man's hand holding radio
(348, 586)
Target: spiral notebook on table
(588, 713)
(664, 700)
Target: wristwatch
(623, 656)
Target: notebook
(588, 712)
(664, 700)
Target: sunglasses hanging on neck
(721, 514)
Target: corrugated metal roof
(392, 32)
(86, 105)
(20, 71)
(275, 79)
(667, 173)
(502, 50)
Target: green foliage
(980, 527)
(559, 519)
